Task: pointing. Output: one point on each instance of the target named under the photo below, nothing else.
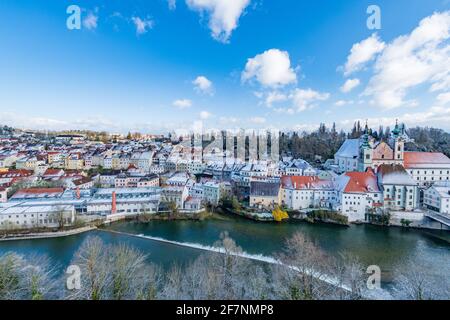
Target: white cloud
(306, 99)
(90, 22)
(271, 69)
(228, 120)
(421, 57)
(289, 111)
(172, 4)
(223, 15)
(341, 103)
(274, 97)
(142, 25)
(182, 103)
(435, 116)
(203, 85)
(258, 120)
(349, 85)
(205, 115)
(443, 98)
(363, 52)
(43, 123)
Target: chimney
(78, 193)
(113, 205)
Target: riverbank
(166, 216)
(46, 235)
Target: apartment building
(437, 198)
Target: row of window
(425, 172)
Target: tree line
(323, 143)
(121, 272)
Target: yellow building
(74, 162)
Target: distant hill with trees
(324, 142)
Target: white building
(437, 198)
(212, 192)
(175, 194)
(195, 167)
(357, 193)
(347, 157)
(400, 191)
(24, 215)
(427, 168)
(303, 192)
(127, 201)
(297, 167)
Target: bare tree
(32, 278)
(9, 276)
(230, 268)
(225, 275)
(172, 289)
(60, 216)
(413, 282)
(349, 276)
(94, 262)
(257, 283)
(38, 278)
(200, 282)
(302, 274)
(128, 266)
(149, 285)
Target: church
(365, 152)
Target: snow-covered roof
(444, 191)
(22, 208)
(305, 182)
(394, 175)
(360, 182)
(349, 149)
(425, 160)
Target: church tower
(398, 143)
(365, 152)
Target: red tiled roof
(298, 181)
(16, 173)
(412, 159)
(303, 182)
(362, 182)
(81, 181)
(53, 172)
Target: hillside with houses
(370, 178)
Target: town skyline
(224, 155)
(127, 68)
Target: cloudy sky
(157, 65)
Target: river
(385, 247)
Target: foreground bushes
(121, 272)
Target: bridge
(439, 217)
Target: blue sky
(258, 63)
